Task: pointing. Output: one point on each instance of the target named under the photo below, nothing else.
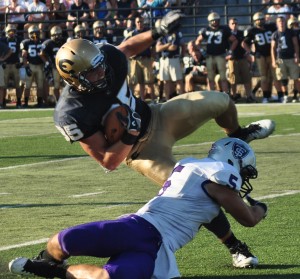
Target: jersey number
(70, 132)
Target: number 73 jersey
(217, 40)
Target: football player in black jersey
(80, 32)
(260, 36)
(12, 63)
(100, 35)
(219, 47)
(285, 56)
(293, 23)
(33, 64)
(96, 77)
(48, 53)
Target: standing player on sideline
(143, 245)
(260, 36)
(96, 75)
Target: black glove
(254, 202)
(170, 23)
(28, 71)
(18, 65)
(132, 124)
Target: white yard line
(34, 242)
(84, 156)
(43, 240)
(86, 194)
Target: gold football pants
(171, 121)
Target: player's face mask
(94, 77)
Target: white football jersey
(183, 205)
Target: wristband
(128, 139)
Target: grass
(42, 177)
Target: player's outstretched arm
(246, 215)
(168, 24)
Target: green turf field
(48, 184)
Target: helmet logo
(239, 151)
(65, 66)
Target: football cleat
(34, 267)
(242, 257)
(257, 130)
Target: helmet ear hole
(230, 162)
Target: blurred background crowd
(249, 49)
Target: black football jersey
(50, 48)
(217, 40)
(33, 49)
(80, 115)
(239, 51)
(284, 43)
(104, 40)
(261, 38)
(14, 45)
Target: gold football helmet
(78, 57)
(56, 34)
(213, 19)
(34, 32)
(98, 27)
(10, 30)
(291, 21)
(258, 19)
(79, 31)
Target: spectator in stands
(100, 34)
(285, 56)
(170, 69)
(58, 13)
(239, 66)
(39, 18)
(68, 4)
(196, 70)
(154, 8)
(78, 14)
(102, 10)
(220, 44)
(295, 7)
(18, 19)
(126, 10)
(48, 53)
(33, 65)
(12, 63)
(5, 52)
(141, 65)
(259, 36)
(278, 9)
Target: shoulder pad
(227, 177)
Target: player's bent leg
(185, 113)
(87, 271)
(241, 255)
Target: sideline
(85, 156)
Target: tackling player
(143, 245)
(97, 74)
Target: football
(112, 126)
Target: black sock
(237, 133)
(280, 94)
(231, 241)
(46, 256)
